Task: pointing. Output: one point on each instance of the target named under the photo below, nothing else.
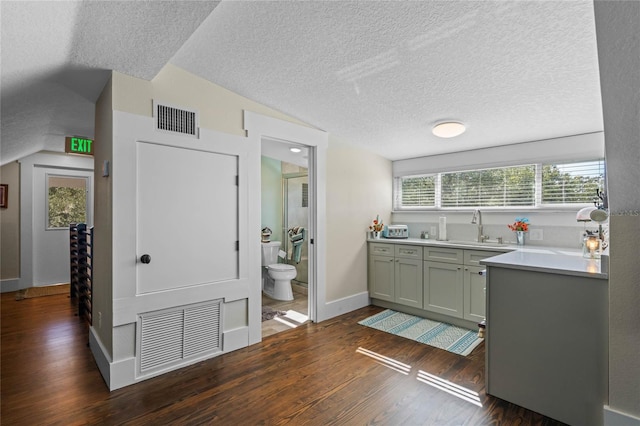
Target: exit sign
(76, 145)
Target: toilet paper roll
(442, 229)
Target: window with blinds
(417, 191)
(508, 186)
(531, 185)
(572, 183)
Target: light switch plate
(433, 232)
(536, 235)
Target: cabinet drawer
(378, 248)
(473, 257)
(408, 252)
(441, 254)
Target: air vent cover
(172, 336)
(175, 120)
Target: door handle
(145, 258)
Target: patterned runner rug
(440, 335)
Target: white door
(187, 217)
(61, 196)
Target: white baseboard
(614, 417)
(345, 305)
(103, 360)
(235, 339)
(9, 285)
(123, 373)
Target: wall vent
(175, 120)
(172, 336)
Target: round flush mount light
(448, 129)
(295, 150)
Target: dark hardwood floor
(313, 374)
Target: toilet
(276, 277)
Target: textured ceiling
(377, 74)
(56, 58)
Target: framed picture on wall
(4, 195)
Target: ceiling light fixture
(296, 150)
(448, 129)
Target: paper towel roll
(442, 231)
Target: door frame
(43, 259)
(27, 181)
(261, 127)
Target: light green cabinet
(382, 277)
(452, 282)
(396, 278)
(474, 294)
(443, 280)
(443, 288)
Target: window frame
(88, 211)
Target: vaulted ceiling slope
(377, 74)
(57, 55)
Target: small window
(572, 183)
(67, 201)
(416, 191)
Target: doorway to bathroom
(285, 219)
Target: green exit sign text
(76, 145)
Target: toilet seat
(281, 267)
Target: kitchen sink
(477, 244)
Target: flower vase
(376, 235)
(520, 238)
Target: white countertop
(556, 260)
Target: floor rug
(31, 292)
(270, 313)
(440, 335)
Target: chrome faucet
(477, 219)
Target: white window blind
(416, 191)
(572, 183)
(507, 186)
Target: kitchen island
(547, 333)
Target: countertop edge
(553, 260)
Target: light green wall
(272, 196)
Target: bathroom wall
(271, 199)
(276, 175)
(297, 215)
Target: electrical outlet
(99, 319)
(536, 235)
(433, 232)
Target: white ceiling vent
(172, 336)
(175, 120)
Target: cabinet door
(381, 277)
(474, 293)
(408, 282)
(443, 288)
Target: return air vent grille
(175, 120)
(170, 337)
